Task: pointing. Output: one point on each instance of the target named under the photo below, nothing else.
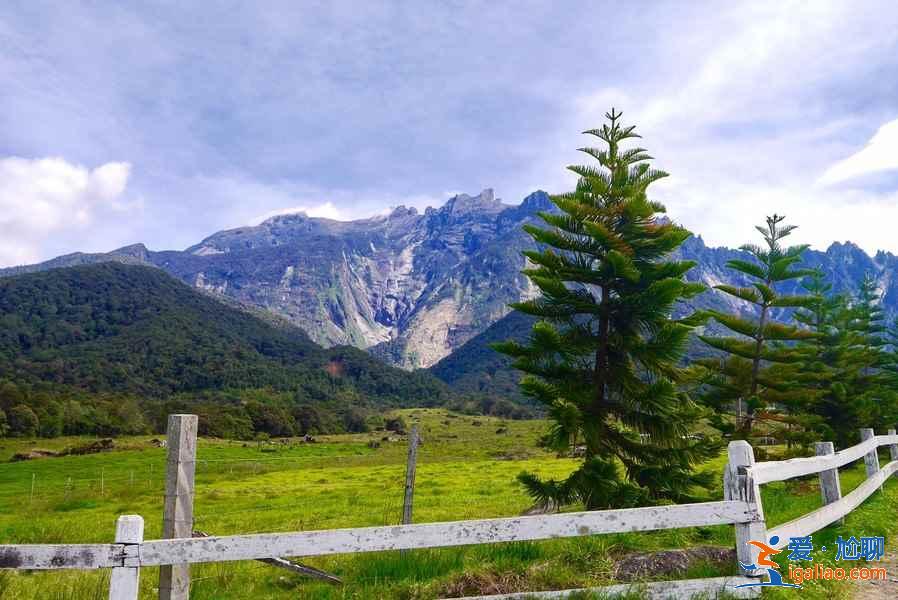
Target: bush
(273, 420)
(354, 421)
(396, 424)
(22, 421)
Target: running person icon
(766, 551)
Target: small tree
(603, 357)
(750, 375)
(22, 421)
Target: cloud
(44, 198)
(880, 154)
(239, 113)
(745, 122)
(325, 211)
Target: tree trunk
(756, 368)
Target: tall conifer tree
(866, 383)
(751, 376)
(604, 356)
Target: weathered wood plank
(780, 470)
(177, 518)
(124, 583)
(434, 535)
(738, 484)
(830, 486)
(301, 569)
(820, 518)
(410, 468)
(871, 459)
(657, 590)
(283, 563)
(893, 448)
(61, 556)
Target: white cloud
(746, 122)
(234, 200)
(325, 211)
(880, 154)
(47, 197)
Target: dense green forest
(109, 348)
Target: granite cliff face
(413, 287)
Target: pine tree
(822, 354)
(862, 392)
(603, 357)
(752, 373)
(888, 406)
(868, 318)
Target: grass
(467, 469)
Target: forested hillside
(136, 332)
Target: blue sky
(165, 122)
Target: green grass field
(466, 469)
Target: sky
(164, 122)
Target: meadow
(466, 469)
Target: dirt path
(881, 590)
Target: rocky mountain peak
(401, 211)
(285, 219)
(138, 251)
(538, 200)
(484, 202)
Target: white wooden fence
(741, 508)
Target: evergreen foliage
(860, 394)
(100, 348)
(757, 368)
(603, 356)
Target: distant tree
(22, 421)
(396, 424)
(314, 420)
(751, 375)
(276, 421)
(4, 424)
(10, 394)
(889, 376)
(603, 357)
(355, 421)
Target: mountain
(412, 288)
(136, 330)
(475, 368)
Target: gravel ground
(881, 590)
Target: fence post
(738, 484)
(871, 459)
(410, 467)
(177, 518)
(830, 486)
(124, 583)
(893, 448)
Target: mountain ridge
(134, 329)
(411, 287)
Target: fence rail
(780, 470)
(741, 508)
